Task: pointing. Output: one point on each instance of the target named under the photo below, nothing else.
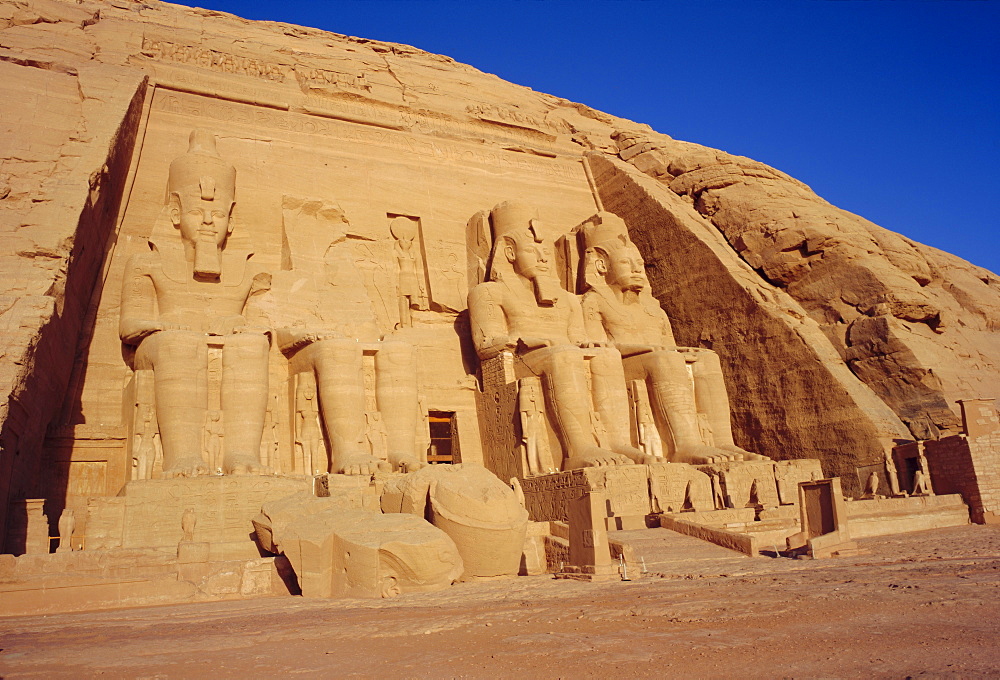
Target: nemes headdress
(202, 167)
(511, 216)
(605, 230)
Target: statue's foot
(244, 465)
(409, 464)
(704, 455)
(596, 457)
(747, 455)
(186, 467)
(362, 464)
(636, 455)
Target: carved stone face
(531, 259)
(202, 220)
(625, 269)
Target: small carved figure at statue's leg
(611, 402)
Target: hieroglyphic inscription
(509, 116)
(322, 78)
(234, 112)
(547, 497)
(627, 488)
(672, 483)
(214, 60)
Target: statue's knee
(566, 359)
(336, 351)
(394, 354)
(172, 346)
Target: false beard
(207, 259)
(547, 290)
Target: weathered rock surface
(837, 336)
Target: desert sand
(917, 605)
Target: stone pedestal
(589, 552)
(148, 513)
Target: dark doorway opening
(443, 448)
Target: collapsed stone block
(469, 503)
(338, 552)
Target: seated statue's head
(201, 193)
(611, 255)
(521, 247)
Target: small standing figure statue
(871, 488)
(67, 524)
(188, 521)
(269, 440)
(404, 230)
(718, 498)
(891, 474)
(649, 437)
(529, 407)
(213, 434)
(308, 436)
(921, 478)
(144, 446)
(377, 435)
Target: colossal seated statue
(187, 293)
(524, 310)
(619, 308)
(325, 326)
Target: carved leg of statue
(611, 402)
(405, 315)
(179, 361)
(673, 398)
(713, 398)
(244, 403)
(562, 368)
(341, 387)
(396, 396)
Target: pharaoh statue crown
(603, 228)
(202, 167)
(511, 216)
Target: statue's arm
(666, 330)
(490, 334)
(593, 319)
(138, 305)
(577, 328)
(294, 338)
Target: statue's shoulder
(487, 291)
(143, 263)
(572, 300)
(594, 300)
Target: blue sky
(888, 109)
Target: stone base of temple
(112, 579)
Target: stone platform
(147, 513)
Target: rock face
(837, 338)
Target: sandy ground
(918, 605)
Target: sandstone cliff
(838, 336)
